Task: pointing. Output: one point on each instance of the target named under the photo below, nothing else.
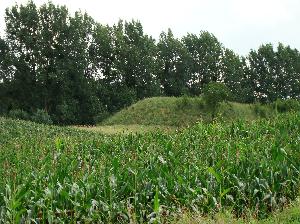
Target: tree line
(79, 71)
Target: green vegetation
(166, 111)
(127, 129)
(63, 174)
(235, 161)
(214, 94)
(183, 111)
(290, 215)
(40, 116)
(81, 71)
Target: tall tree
(262, 69)
(54, 68)
(5, 77)
(53, 41)
(287, 79)
(275, 74)
(206, 53)
(174, 65)
(3, 53)
(104, 52)
(234, 76)
(22, 38)
(136, 55)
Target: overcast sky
(240, 25)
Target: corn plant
(53, 174)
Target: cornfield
(54, 174)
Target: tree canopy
(78, 70)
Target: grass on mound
(167, 111)
(176, 111)
(63, 175)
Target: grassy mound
(62, 175)
(172, 111)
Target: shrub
(67, 112)
(214, 94)
(19, 114)
(283, 106)
(101, 116)
(41, 116)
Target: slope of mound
(174, 111)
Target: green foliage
(214, 94)
(232, 111)
(19, 114)
(174, 62)
(205, 53)
(200, 103)
(233, 71)
(116, 96)
(156, 207)
(101, 116)
(272, 74)
(62, 175)
(135, 61)
(289, 215)
(262, 110)
(283, 106)
(66, 112)
(73, 67)
(42, 117)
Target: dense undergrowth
(56, 174)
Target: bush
(117, 97)
(283, 106)
(214, 94)
(92, 111)
(41, 116)
(19, 114)
(101, 116)
(67, 112)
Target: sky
(240, 25)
